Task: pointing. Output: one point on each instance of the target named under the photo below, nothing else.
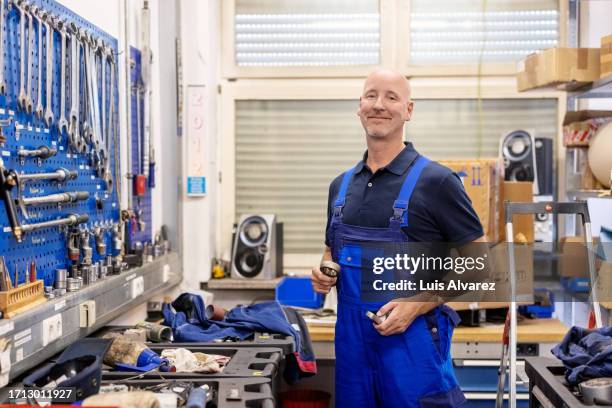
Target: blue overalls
(412, 369)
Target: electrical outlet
(166, 273)
(52, 329)
(87, 311)
(137, 286)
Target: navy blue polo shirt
(439, 210)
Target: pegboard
(140, 204)
(48, 247)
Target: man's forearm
(327, 255)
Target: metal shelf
(113, 296)
(584, 194)
(602, 88)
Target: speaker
(544, 165)
(257, 250)
(518, 151)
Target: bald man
(392, 195)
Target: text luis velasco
(412, 264)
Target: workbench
(475, 351)
(529, 331)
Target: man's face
(385, 104)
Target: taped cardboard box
(523, 225)
(580, 126)
(523, 257)
(573, 261)
(606, 56)
(482, 181)
(558, 66)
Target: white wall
(200, 37)
(595, 22)
(108, 16)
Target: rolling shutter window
(284, 33)
(461, 31)
(287, 152)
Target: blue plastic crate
(298, 291)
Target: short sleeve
(330, 196)
(454, 214)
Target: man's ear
(359, 107)
(409, 108)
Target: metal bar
(70, 197)
(513, 321)
(60, 174)
(73, 219)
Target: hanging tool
(140, 181)
(68, 197)
(576, 208)
(48, 20)
(42, 153)
(146, 58)
(22, 99)
(60, 175)
(2, 23)
(74, 250)
(71, 220)
(29, 101)
(8, 180)
(100, 242)
(59, 198)
(37, 13)
(86, 248)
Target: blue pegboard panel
(140, 204)
(48, 247)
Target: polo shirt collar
(399, 165)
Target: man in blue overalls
(392, 195)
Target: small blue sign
(196, 185)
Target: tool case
(227, 392)
(547, 384)
(245, 362)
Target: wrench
(2, 80)
(49, 70)
(73, 134)
(22, 99)
(110, 128)
(36, 12)
(62, 124)
(29, 102)
(87, 133)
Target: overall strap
(341, 197)
(400, 206)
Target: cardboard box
(580, 126)
(605, 58)
(558, 66)
(523, 265)
(482, 181)
(523, 256)
(604, 283)
(518, 192)
(573, 261)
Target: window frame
(345, 89)
(438, 70)
(229, 68)
(392, 14)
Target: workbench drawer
(480, 378)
